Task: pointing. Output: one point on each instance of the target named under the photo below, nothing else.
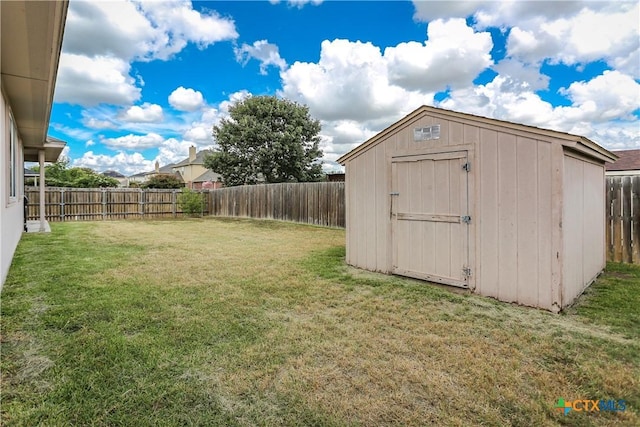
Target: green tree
(267, 139)
(163, 181)
(191, 202)
(59, 174)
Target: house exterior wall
(523, 247)
(190, 172)
(11, 208)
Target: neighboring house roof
(627, 160)
(166, 169)
(113, 174)
(170, 169)
(208, 176)
(30, 173)
(576, 142)
(199, 160)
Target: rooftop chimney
(157, 167)
(192, 153)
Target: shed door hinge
(467, 167)
(466, 272)
(466, 219)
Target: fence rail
(623, 219)
(321, 203)
(90, 204)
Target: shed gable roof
(579, 143)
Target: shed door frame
(460, 275)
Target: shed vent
(426, 133)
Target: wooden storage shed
(506, 210)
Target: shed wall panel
(544, 232)
(594, 221)
(583, 224)
(527, 221)
(382, 226)
(572, 227)
(507, 214)
(369, 213)
(487, 214)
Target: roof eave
(580, 143)
(29, 63)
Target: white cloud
(134, 142)
(103, 38)
(94, 123)
(571, 32)
(108, 28)
(612, 95)
(521, 76)
(452, 57)
(146, 113)
(265, 52)
(503, 13)
(172, 151)
(350, 82)
(184, 99)
(602, 108)
(141, 30)
(92, 81)
(127, 164)
(178, 24)
(356, 81)
(298, 3)
(199, 134)
(588, 36)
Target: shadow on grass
(330, 265)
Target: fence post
(141, 202)
(61, 204)
(174, 209)
(104, 204)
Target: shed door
(429, 211)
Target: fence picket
(623, 219)
(319, 203)
(82, 204)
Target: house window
(13, 162)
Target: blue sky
(143, 81)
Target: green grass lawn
(239, 322)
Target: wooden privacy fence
(320, 203)
(623, 219)
(87, 204)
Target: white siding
(11, 208)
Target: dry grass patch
(238, 322)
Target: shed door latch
(466, 219)
(467, 167)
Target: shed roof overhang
(574, 142)
(31, 41)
